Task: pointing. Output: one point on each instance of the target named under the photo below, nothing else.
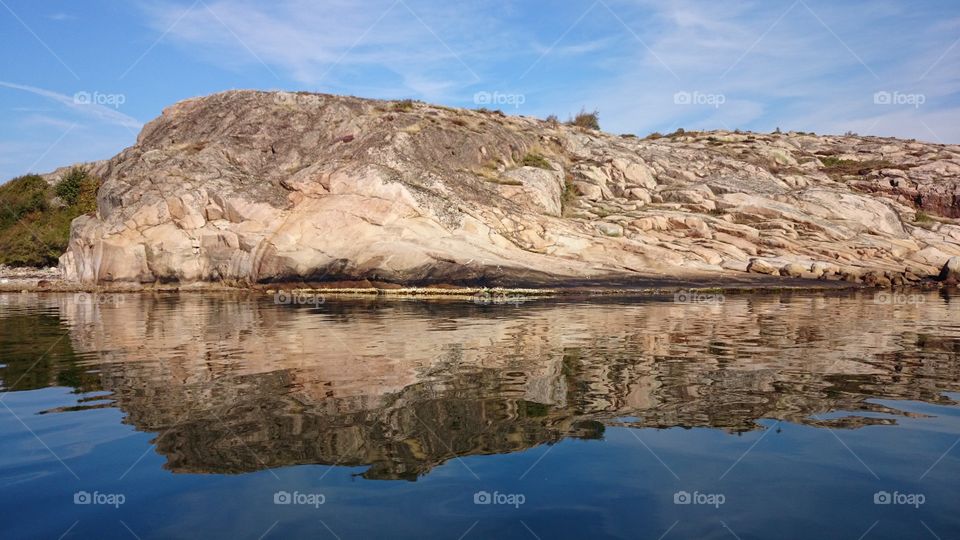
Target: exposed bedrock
(256, 187)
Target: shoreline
(297, 290)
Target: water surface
(230, 416)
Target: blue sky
(78, 80)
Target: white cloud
(939, 126)
(67, 132)
(41, 120)
(809, 64)
(94, 111)
(386, 39)
(814, 69)
(584, 47)
(61, 16)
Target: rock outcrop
(951, 270)
(258, 187)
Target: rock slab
(259, 187)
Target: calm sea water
(230, 416)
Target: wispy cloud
(94, 111)
(583, 47)
(805, 65)
(388, 41)
(801, 64)
(61, 16)
(41, 120)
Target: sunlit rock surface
(253, 187)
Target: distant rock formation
(256, 187)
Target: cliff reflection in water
(233, 384)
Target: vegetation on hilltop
(35, 217)
(586, 120)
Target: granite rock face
(258, 187)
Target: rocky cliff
(257, 187)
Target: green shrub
(586, 120)
(569, 194)
(33, 230)
(833, 161)
(838, 168)
(22, 196)
(403, 105)
(71, 185)
(922, 218)
(536, 160)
